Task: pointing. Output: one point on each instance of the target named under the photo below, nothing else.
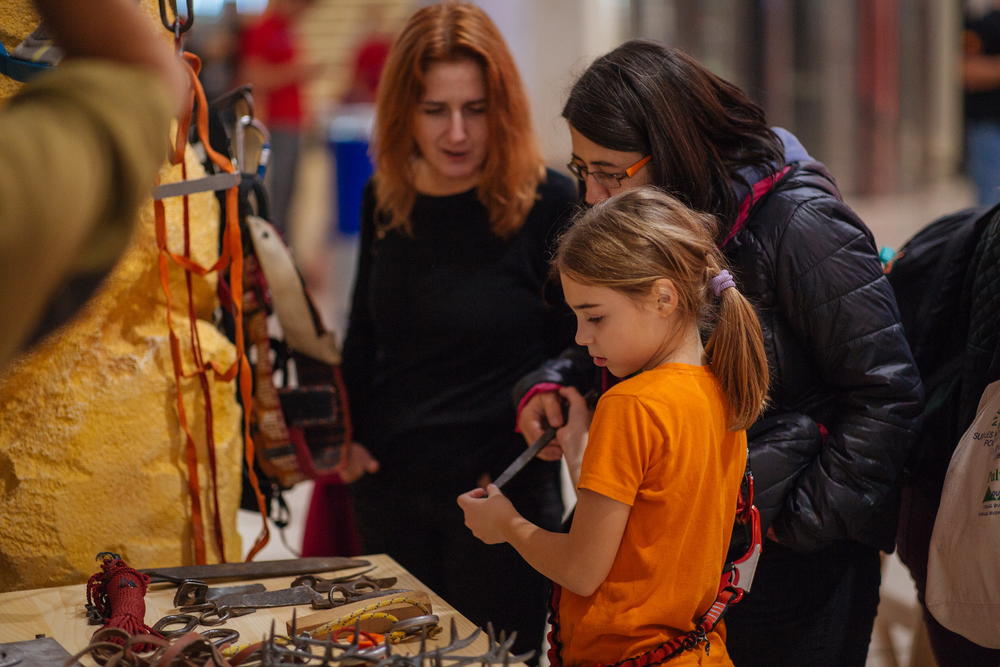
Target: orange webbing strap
(190, 451)
(231, 255)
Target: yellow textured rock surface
(91, 451)
(16, 18)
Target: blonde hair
(452, 32)
(637, 237)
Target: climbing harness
(737, 576)
(301, 423)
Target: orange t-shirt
(659, 443)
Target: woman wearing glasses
(828, 453)
(448, 312)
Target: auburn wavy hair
(451, 32)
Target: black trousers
(410, 512)
(815, 609)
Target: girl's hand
(487, 513)
(572, 437)
(530, 421)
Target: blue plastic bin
(348, 139)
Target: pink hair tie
(724, 280)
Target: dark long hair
(700, 129)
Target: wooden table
(59, 612)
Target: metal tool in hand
(532, 451)
(525, 457)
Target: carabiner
(177, 26)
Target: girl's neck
(687, 349)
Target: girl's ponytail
(633, 239)
(735, 350)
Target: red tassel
(118, 593)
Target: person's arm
(359, 343)
(115, 30)
(832, 293)
(534, 394)
(578, 560)
(94, 131)
(980, 73)
(625, 441)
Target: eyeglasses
(603, 178)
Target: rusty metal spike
(356, 639)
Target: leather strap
(231, 257)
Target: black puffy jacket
(842, 374)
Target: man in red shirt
(271, 61)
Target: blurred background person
(981, 81)
(216, 42)
(370, 55)
(272, 60)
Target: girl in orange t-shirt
(658, 475)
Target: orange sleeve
(623, 437)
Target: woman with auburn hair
(828, 452)
(449, 310)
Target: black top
(443, 322)
(982, 37)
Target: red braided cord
(118, 592)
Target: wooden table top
(59, 612)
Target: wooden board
(59, 612)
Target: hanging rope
(231, 258)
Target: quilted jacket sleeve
(573, 367)
(839, 306)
